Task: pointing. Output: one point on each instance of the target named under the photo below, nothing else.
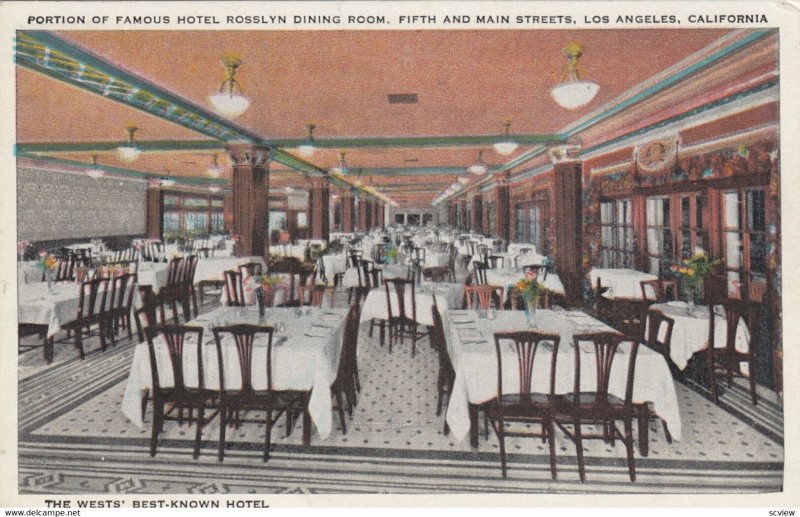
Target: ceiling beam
(420, 141)
(147, 146)
(46, 53)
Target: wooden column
(318, 209)
(477, 213)
(462, 207)
(502, 218)
(567, 194)
(363, 223)
(154, 210)
(250, 184)
(348, 212)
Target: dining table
(690, 331)
(307, 344)
(470, 343)
(447, 295)
(506, 277)
(621, 283)
(52, 306)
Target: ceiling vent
(403, 98)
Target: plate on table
(329, 317)
(470, 336)
(318, 332)
(462, 318)
(676, 304)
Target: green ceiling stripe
(116, 84)
(656, 88)
(123, 171)
(421, 141)
(144, 146)
(695, 111)
(676, 78)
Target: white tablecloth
(515, 247)
(475, 365)
(28, 273)
(690, 332)
(350, 277)
(303, 362)
(214, 268)
(507, 277)
(53, 307)
(153, 274)
(288, 250)
(622, 283)
(334, 264)
(448, 296)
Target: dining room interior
(387, 261)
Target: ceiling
(466, 82)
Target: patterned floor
(74, 439)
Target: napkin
(318, 332)
(470, 336)
(329, 317)
(462, 318)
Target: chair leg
(752, 375)
(199, 433)
(79, 342)
(223, 424)
(667, 434)
(413, 328)
(306, 426)
(551, 437)
(268, 434)
(643, 418)
(501, 438)
(629, 446)
(340, 405)
(579, 450)
(158, 416)
(712, 378)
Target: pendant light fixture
(230, 100)
(129, 151)
(574, 93)
(464, 180)
(507, 145)
(341, 165)
(213, 189)
(478, 168)
(307, 148)
(214, 170)
(95, 172)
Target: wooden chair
(539, 269)
(757, 291)
(659, 291)
(91, 311)
(492, 261)
(180, 396)
(188, 290)
(447, 375)
(172, 292)
(345, 383)
(314, 293)
(120, 303)
(436, 273)
(246, 397)
(250, 269)
(234, 290)
(726, 361)
(479, 273)
(520, 403)
(597, 406)
(629, 316)
(518, 301)
(401, 321)
(484, 295)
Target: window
(302, 219)
(519, 224)
(659, 235)
(400, 218)
(616, 234)
(533, 226)
(277, 220)
(413, 219)
(191, 215)
(427, 219)
(745, 239)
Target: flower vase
(530, 311)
